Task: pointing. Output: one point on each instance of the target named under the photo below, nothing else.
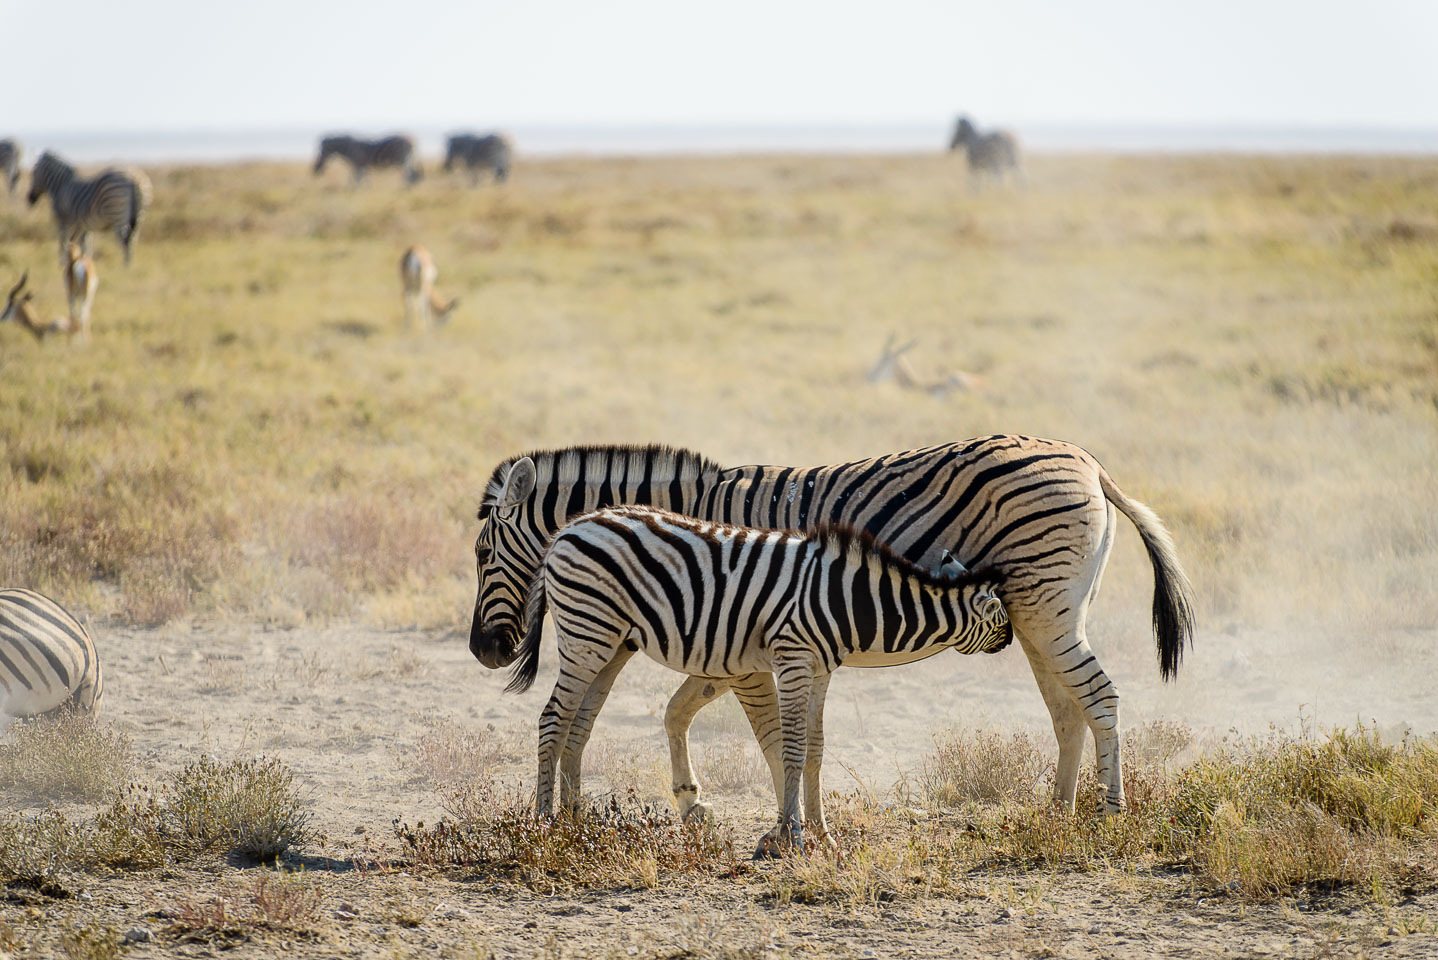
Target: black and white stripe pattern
(112, 201)
(988, 153)
(476, 153)
(1039, 513)
(719, 601)
(47, 659)
(10, 164)
(393, 151)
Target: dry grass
(248, 807)
(450, 754)
(288, 452)
(66, 756)
(265, 900)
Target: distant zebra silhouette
(47, 659)
(489, 152)
(10, 164)
(988, 153)
(111, 201)
(395, 151)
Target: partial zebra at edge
(48, 660)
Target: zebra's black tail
(521, 675)
(1172, 593)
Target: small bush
(91, 943)
(64, 756)
(983, 767)
(249, 807)
(265, 901)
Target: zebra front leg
(693, 693)
(814, 761)
(583, 725)
(793, 677)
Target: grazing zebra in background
(489, 152)
(47, 659)
(111, 201)
(1039, 513)
(990, 153)
(395, 151)
(10, 164)
(422, 306)
(714, 600)
(80, 283)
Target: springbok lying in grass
(422, 306)
(17, 308)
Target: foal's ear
(518, 485)
(949, 567)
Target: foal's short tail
(1172, 593)
(521, 676)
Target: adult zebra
(1040, 513)
(10, 164)
(47, 659)
(489, 152)
(988, 153)
(393, 151)
(113, 200)
(715, 600)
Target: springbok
(422, 306)
(80, 283)
(17, 307)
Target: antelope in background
(17, 307)
(80, 283)
(422, 306)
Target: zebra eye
(481, 553)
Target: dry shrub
(621, 842)
(248, 807)
(264, 901)
(451, 754)
(91, 942)
(983, 767)
(734, 766)
(39, 851)
(64, 756)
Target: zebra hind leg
(692, 695)
(813, 762)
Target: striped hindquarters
(112, 201)
(47, 658)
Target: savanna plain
(260, 488)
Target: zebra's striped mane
(663, 464)
(861, 548)
(52, 169)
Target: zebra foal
(112, 201)
(489, 152)
(393, 151)
(719, 601)
(47, 659)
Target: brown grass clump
(449, 754)
(620, 842)
(93, 942)
(264, 901)
(64, 756)
(248, 807)
(983, 767)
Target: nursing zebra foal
(10, 164)
(47, 659)
(988, 153)
(1038, 513)
(395, 151)
(490, 152)
(718, 601)
(113, 201)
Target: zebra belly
(750, 659)
(877, 658)
(24, 702)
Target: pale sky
(186, 64)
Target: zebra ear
(518, 485)
(949, 567)
(992, 609)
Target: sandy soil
(346, 707)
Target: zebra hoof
(699, 813)
(778, 843)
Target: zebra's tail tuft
(1172, 592)
(526, 666)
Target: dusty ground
(347, 708)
